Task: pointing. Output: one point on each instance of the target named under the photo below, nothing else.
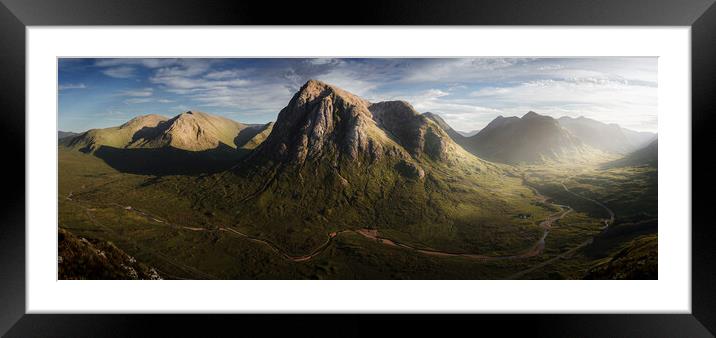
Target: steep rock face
(417, 133)
(325, 121)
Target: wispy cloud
(467, 92)
(66, 86)
(608, 101)
(141, 92)
(122, 72)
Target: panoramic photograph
(357, 168)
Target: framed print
(408, 159)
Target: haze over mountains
(646, 156)
(537, 138)
(606, 137)
(533, 138)
(468, 133)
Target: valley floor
(588, 223)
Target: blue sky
(468, 93)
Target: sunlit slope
(191, 131)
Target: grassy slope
(468, 214)
(630, 192)
(456, 208)
(179, 253)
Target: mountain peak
(322, 120)
(534, 138)
(191, 131)
(313, 88)
(531, 114)
(149, 120)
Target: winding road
(571, 251)
(374, 234)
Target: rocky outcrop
(82, 258)
(410, 169)
(418, 134)
(322, 120)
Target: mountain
(252, 136)
(457, 136)
(189, 143)
(191, 131)
(117, 137)
(533, 138)
(62, 134)
(606, 137)
(323, 122)
(646, 156)
(336, 161)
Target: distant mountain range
(323, 122)
(606, 137)
(191, 131)
(191, 142)
(533, 138)
(536, 138)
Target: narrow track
(373, 234)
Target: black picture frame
(15, 15)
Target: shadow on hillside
(245, 135)
(150, 132)
(620, 233)
(170, 161)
